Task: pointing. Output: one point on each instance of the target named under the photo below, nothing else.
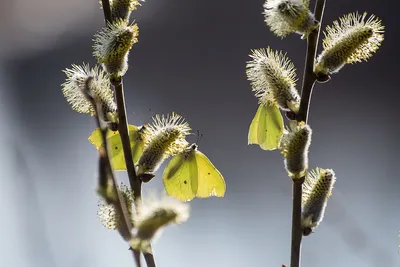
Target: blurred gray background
(191, 59)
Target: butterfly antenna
(149, 115)
(199, 137)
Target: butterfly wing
(180, 177)
(266, 128)
(210, 180)
(137, 142)
(115, 149)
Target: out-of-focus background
(191, 59)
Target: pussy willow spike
(108, 215)
(284, 17)
(112, 45)
(317, 189)
(351, 39)
(165, 137)
(93, 80)
(154, 214)
(294, 148)
(122, 9)
(273, 78)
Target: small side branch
(135, 183)
(309, 79)
(123, 129)
(106, 175)
(106, 10)
(296, 223)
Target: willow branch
(105, 175)
(107, 10)
(309, 79)
(134, 181)
(123, 130)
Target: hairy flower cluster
(108, 215)
(352, 40)
(273, 79)
(112, 45)
(294, 147)
(317, 189)
(289, 16)
(95, 81)
(164, 138)
(153, 215)
(122, 9)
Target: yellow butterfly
(115, 150)
(267, 127)
(191, 174)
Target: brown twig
(309, 79)
(135, 183)
(107, 10)
(123, 130)
(105, 175)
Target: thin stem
(296, 222)
(149, 258)
(309, 79)
(105, 173)
(107, 10)
(135, 183)
(123, 130)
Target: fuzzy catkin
(122, 9)
(107, 213)
(273, 78)
(112, 45)
(317, 189)
(154, 214)
(332, 60)
(81, 79)
(155, 153)
(355, 39)
(165, 137)
(294, 147)
(289, 16)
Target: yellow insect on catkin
(95, 81)
(354, 39)
(153, 215)
(164, 138)
(294, 147)
(317, 189)
(273, 78)
(289, 16)
(112, 45)
(107, 213)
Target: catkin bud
(317, 189)
(165, 137)
(108, 214)
(273, 79)
(81, 79)
(122, 9)
(294, 147)
(353, 40)
(112, 45)
(289, 16)
(153, 215)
